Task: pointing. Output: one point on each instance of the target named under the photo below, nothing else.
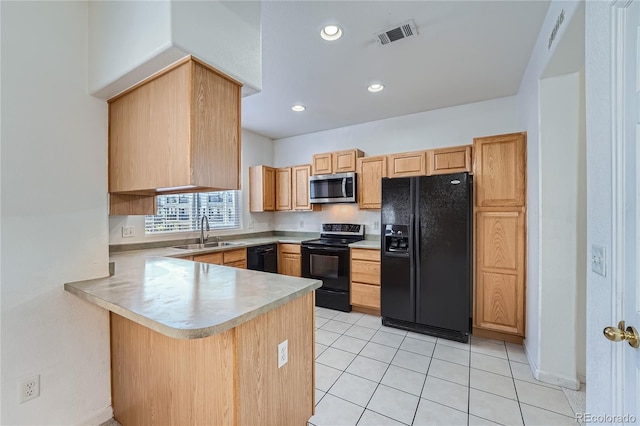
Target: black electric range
(327, 259)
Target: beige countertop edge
(366, 244)
(198, 333)
(174, 252)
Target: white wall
(528, 106)
(54, 227)
(432, 129)
(256, 150)
(131, 40)
(562, 219)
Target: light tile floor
(369, 374)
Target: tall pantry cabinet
(500, 236)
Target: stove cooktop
(338, 235)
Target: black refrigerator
(426, 262)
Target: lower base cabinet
(236, 258)
(289, 260)
(365, 279)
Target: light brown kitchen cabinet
(500, 236)
(500, 163)
(300, 188)
(371, 170)
(500, 271)
(322, 164)
(289, 260)
(449, 160)
(407, 164)
(262, 189)
(365, 280)
(283, 188)
(236, 258)
(177, 131)
(336, 162)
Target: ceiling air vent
(404, 30)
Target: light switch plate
(599, 260)
(128, 232)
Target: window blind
(183, 212)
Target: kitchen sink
(206, 245)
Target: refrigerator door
(443, 220)
(397, 296)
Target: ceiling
(465, 51)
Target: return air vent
(404, 30)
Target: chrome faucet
(204, 219)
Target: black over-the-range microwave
(336, 188)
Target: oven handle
(326, 248)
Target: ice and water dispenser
(396, 240)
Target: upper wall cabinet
(500, 173)
(336, 162)
(262, 189)
(371, 170)
(407, 164)
(283, 188)
(449, 160)
(177, 131)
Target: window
(183, 212)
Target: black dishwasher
(263, 258)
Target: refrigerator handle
(412, 263)
(415, 256)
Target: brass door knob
(617, 334)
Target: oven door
(329, 264)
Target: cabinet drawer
(365, 254)
(365, 295)
(237, 264)
(215, 258)
(235, 255)
(365, 271)
(290, 248)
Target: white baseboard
(551, 378)
(100, 417)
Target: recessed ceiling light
(298, 108)
(375, 87)
(331, 32)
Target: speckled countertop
(367, 244)
(186, 300)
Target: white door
(612, 57)
(630, 131)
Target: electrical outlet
(283, 353)
(128, 232)
(301, 224)
(29, 388)
(376, 225)
(250, 224)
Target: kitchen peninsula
(196, 343)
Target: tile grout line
(425, 380)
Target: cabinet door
(449, 160)
(500, 264)
(300, 190)
(500, 175)
(407, 164)
(262, 189)
(283, 189)
(236, 255)
(365, 295)
(345, 161)
(215, 258)
(371, 170)
(290, 264)
(322, 164)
